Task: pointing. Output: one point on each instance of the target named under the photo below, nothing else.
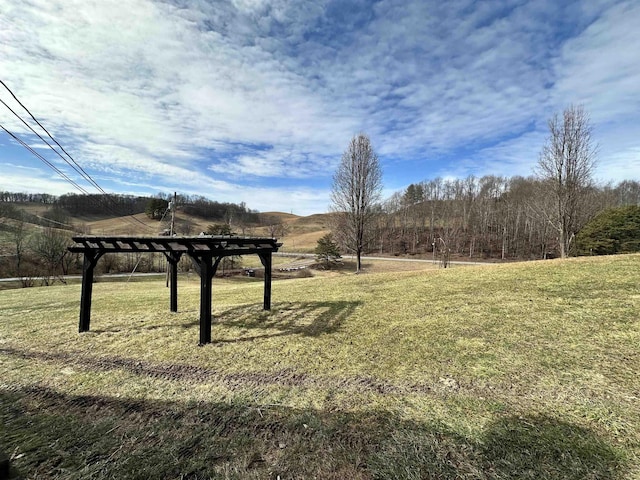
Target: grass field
(510, 371)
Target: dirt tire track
(176, 372)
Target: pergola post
(173, 260)
(205, 298)
(266, 260)
(88, 265)
(207, 271)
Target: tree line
(227, 212)
(22, 197)
(486, 217)
(539, 216)
(73, 204)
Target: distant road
(389, 259)
(280, 254)
(110, 275)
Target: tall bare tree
(566, 167)
(357, 186)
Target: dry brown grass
(280, 216)
(302, 236)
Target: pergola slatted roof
(206, 252)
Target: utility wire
(80, 171)
(86, 175)
(47, 162)
(60, 172)
(53, 221)
(75, 164)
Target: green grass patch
(510, 371)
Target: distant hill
(281, 216)
(300, 233)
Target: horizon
(255, 102)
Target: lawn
(524, 370)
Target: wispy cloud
(258, 99)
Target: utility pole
(172, 207)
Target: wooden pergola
(205, 251)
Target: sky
(255, 101)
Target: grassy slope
(302, 236)
(125, 225)
(303, 232)
(511, 371)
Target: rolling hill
(301, 234)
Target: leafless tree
(628, 193)
(566, 167)
(276, 227)
(357, 186)
(19, 235)
(50, 247)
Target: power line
(75, 164)
(64, 175)
(82, 173)
(53, 221)
(47, 162)
(86, 175)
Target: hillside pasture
(302, 235)
(503, 371)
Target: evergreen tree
(616, 230)
(327, 251)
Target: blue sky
(255, 101)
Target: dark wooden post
(205, 298)
(265, 258)
(173, 280)
(89, 263)
(207, 270)
(174, 286)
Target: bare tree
(50, 247)
(357, 186)
(276, 227)
(566, 167)
(19, 235)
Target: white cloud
(16, 178)
(262, 97)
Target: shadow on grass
(55, 435)
(309, 319)
(292, 318)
